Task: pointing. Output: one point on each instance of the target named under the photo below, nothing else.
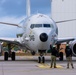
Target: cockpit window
(46, 25)
(35, 25)
(32, 26)
(41, 25)
(38, 25)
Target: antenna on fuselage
(28, 8)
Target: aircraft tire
(43, 59)
(39, 59)
(6, 56)
(13, 56)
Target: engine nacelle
(72, 45)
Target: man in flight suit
(53, 56)
(68, 53)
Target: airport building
(64, 10)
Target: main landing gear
(41, 58)
(9, 54)
(6, 56)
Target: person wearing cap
(53, 56)
(68, 53)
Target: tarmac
(28, 65)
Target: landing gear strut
(41, 58)
(32, 52)
(9, 54)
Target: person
(68, 53)
(53, 56)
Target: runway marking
(48, 66)
(26, 57)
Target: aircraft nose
(43, 37)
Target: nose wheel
(41, 58)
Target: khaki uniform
(68, 52)
(53, 60)
(54, 53)
(69, 61)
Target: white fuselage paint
(31, 36)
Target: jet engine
(72, 45)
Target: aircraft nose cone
(43, 37)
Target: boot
(51, 66)
(55, 66)
(68, 66)
(72, 66)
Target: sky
(14, 11)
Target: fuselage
(39, 32)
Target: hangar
(64, 10)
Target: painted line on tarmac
(47, 66)
(26, 57)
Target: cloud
(9, 31)
(14, 11)
(11, 19)
(18, 7)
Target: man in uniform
(53, 56)
(68, 53)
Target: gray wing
(61, 40)
(10, 40)
(11, 24)
(65, 21)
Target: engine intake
(73, 47)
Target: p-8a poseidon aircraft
(40, 31)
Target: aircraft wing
(10, 40)
(61, 40)
(10, 24)
(65, 21)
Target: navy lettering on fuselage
(32, 38)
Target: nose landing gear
(41, 58)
